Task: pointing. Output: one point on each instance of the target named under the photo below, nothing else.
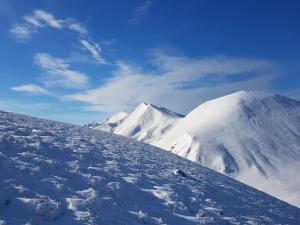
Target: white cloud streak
(77, 27)
(94, 49)
(179, 83)
(31, 89)
(41, 19)
(139, 12)
(22, 32)
(58, 73)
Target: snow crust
(251, 136)
(55, 173)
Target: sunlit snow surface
(54, 173)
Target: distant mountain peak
(163, 110)
(142, 104)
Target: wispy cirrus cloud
(31, 89)
(77, 27)
(22, 32)
(94, 49)
(139, 12)
(177, 82)
(32, 23)
(57, 72)
(41, 19)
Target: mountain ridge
(251, 136)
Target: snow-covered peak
(242, 105)
(252, 97)
(55, 173)
(143, 104)
(251, 136)
(143, 107)
(148, 122)
(248, 94)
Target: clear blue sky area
(80, 61)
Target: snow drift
(55, 173)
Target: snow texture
(55, 173)
(253, 137)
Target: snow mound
(45, 209)
(55, 173)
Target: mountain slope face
(54, 173)
(253, 137)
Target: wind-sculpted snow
(55, 173)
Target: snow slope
(55, 173)
(253, 137)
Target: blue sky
(80, 61)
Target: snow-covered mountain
(146, 123)
(55, 173)
(253, 137)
